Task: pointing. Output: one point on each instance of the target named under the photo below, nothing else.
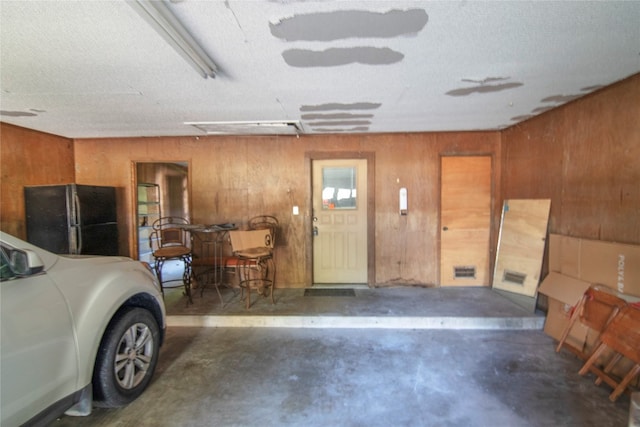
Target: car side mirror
(25, 262)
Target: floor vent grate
(514, 277)
(464, 272)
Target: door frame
(133, 217)
(494, 189)
(309, 157)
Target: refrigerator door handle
(78, 224)
(74, 233)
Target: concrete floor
(285, 365)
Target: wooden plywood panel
(521, 245)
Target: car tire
(126, 359)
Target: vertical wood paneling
(29, 158)
(585, 157)
(234, 178)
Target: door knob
(315, 231)
(445, 228)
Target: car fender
(94, 301)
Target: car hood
(74, 271)
(97, 259)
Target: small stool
(253, 261)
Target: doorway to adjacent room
(162, 189)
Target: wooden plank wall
(29, 158)
(234, 178)
(585, 157)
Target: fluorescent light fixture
(160, 17)
(248, 128)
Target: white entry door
(339, 221)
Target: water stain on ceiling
(341, 130)
(16, 113)
(333, 57)
(345, 24)
(522, 117)
(560, 99)
(540, 110)
(331, 117)
(483, 88)
(340, 106)
(335, 116)
(341, 123)
(591, 88)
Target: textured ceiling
(98, 69)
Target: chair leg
(625, 382)
(158, 268)
(186, 278)
(244, 282)
(572, 321)
(272, 267)
(594, 356)
(219, 295)
(615, 359)
(265, 272)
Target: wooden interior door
(465, 219)
(339, 221)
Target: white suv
(75, 331)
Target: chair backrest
(600, 307)
(264, 222)
(242, 240)
(169, 231)
(623, 333)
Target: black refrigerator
(72, 218)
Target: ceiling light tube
(160, 17)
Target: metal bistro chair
(253, 261)
(267, 222)
(170, 240)
(264, 222)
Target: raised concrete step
(390, 308)
(357, 322)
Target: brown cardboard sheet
(564, 292)
(615, 265)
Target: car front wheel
(126, 359)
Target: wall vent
(464, 272)
(514, 277)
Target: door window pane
(339, 188)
